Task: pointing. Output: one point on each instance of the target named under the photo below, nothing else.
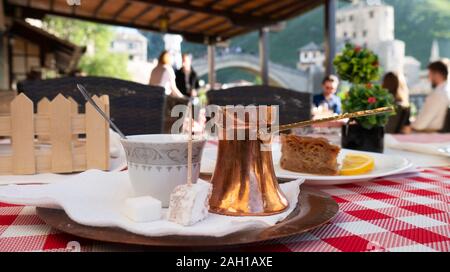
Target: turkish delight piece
(189, 203)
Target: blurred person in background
(434, 111)
(395, 83)
(164, 76)
(328, 98)
(186, 78)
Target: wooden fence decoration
(50, 141)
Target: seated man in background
(186, 77)
(432, 115)
(328, 97)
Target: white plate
(385, 165)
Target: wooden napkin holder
(56, 139)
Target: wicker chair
(294, 106)
(446, 127)
(134, 107)
(398, 121)
(170, 103)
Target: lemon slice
(356, 164)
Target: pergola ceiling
(202, 21)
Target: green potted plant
(360, 67)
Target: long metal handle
(189, 172)
(88, 98)
(333, 118)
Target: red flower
(369, 85)
(371, 100)
(357, 49)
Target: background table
(409, 213)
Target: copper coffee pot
(244, 181)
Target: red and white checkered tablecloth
(408, 213)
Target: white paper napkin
(95, 198)
(425, 148)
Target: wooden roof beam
(295, 9)
(142, 13)
(52, 5)
(264, 6)
(235, 5)
(212, 27)
(36, 12)
(196, 22)
(235, 18)
(98, 8)
(181, 19)
(121, 10)
(212, 3)
(205, 22)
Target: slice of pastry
(309, 155)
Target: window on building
(371, 14)
(345, 34)
(350, 18)
(354, 34)
(364, 33)
(131, 45)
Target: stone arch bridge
(278, 74)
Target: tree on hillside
(101, 62)
(419, 22)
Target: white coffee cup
(157, 163)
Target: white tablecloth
(419, 159)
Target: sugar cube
(142, 209)
(189, 203)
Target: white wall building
(365, 23)
(391, 55)
(310, 55)
(132, 43)
(371, 23)
(172, 43)
(411, 68)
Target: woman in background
(163, 75)
(396, 85)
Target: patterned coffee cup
(157, 163)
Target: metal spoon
(88, 98)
